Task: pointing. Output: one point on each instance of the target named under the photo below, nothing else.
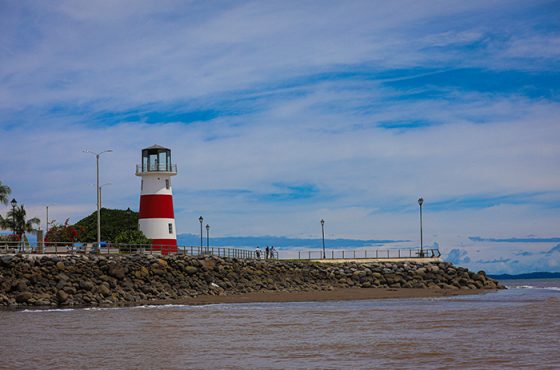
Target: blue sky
(282, 113)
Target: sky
(283, 113)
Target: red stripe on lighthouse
(156, 206)
(166, 246)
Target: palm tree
(4, 193)
(16, 220)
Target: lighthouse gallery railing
(160, 167)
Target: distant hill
(113, 221)
(531, 275)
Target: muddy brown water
(517, 328)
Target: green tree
(113, 222)
(4, 193)
(132, 237)
(16, 220)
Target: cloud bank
(280, 114)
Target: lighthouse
(156, 218)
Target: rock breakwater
(133, 279)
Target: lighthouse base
(166, 246)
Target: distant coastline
(531, 275)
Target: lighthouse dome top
(155, 160)
(155, 146)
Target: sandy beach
(340, 294)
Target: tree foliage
(4, 193)
(130, 236)
(64, 234)
(16, 220)
(113, 222)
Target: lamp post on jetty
(201, 219)
(14, 205)
(323, 232)
(47, 223)
(420, 202)
(207, 236)
(97, 155)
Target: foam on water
(40, 310)
(534, 287)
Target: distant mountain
(279, 242)
(531, 275)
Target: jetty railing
(116, 248)
(334, 254)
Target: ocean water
(516, 328)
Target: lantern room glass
(156, 160)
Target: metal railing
(115, 248)
(238, 253)
(369, 254)
(160, 167)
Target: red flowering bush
(10, 238)
(64, 234)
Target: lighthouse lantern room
(156, 217)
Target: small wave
(521, 287)
(102, 308)
(40, 310)
(534, 287)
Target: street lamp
(97, 155)
(101, 194)
(420, 202)
(323, 231)
(14, 204)
(201, 219)
(47, 225)
(207, 236)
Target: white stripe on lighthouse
(152, 184)
(158, 228)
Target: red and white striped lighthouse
(156, 218)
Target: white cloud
(67, 71)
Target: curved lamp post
(323, 232)
(420, 202)
(97, 155)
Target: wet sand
(341, 294)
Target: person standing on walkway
(258, 252)
(266, 252)
(272, 251)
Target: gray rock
(62, 296)
(191, 270)
(24, 297)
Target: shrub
(131, 237)
(63, 234)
